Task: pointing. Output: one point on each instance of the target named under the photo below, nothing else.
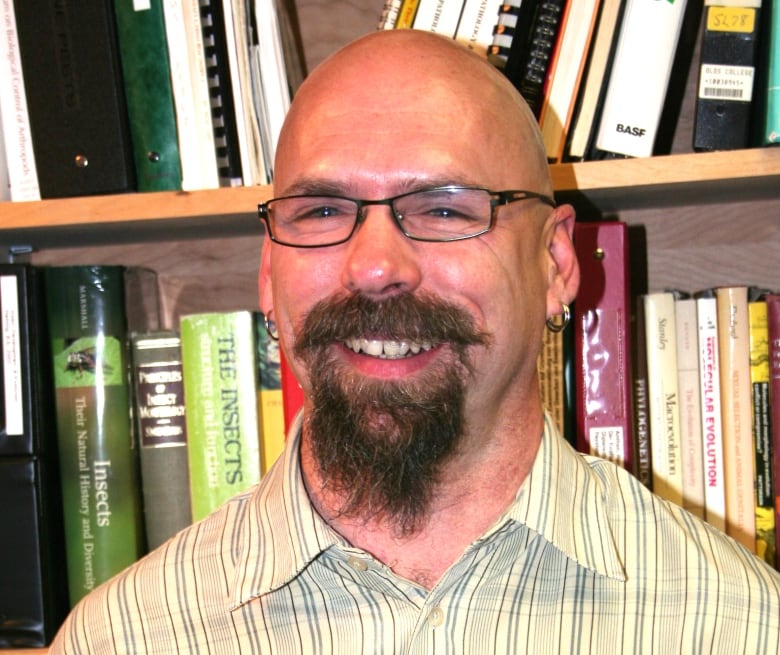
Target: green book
(220, 394)
(143, 50)
(98, 456)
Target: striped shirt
(585, 560)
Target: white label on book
(142, 5)
(12, 356)
(721, 82)
(607, 442)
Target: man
(425, 503)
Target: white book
(247, 122)
(579, 20)
(270, 84)
(636, 91)
(22, 175)
(712, 433)
(440, 16)
(663, 395)
(690, 406)
(477, 23)
(190, 95)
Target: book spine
(663, 395)
(736, 412)
(189, 85)
(270, 395)
(773, 331)
(33, 583)
(602, 315)
(531, 78)
(566, 70)
(770, 118)
(406, 14)
(220, 392)
(98, 457)
(512, 37)
(644, 466)
(477, 23)
(690, 405)
(439, 16)
(162, 433)
(727, 70)
(75, 97)
(709, 379)
(15, 130)
(389, 15)
(221, 93)
(147, 78)
(550, 367)
(762, 430)
(647, 43)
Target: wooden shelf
(603, 187)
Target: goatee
(379, 445)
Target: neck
(475, 488)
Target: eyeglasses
(447, 213)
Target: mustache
(411, 317)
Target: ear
(564, 269)
(264, 278)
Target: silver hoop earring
(270, 327)
(559, 325)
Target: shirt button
(357, 563)
(436, 617)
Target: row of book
(680, 388)
(606, 78)
(120, 95)
(116, 433)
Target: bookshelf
(710, 218)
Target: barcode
(717, 92)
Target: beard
(380, 445)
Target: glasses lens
(447, 213)
(312, 220)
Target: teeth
(387, 349)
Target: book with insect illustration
(98, 455)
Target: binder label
(730, 83)
(731, 19)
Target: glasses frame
(497, 199)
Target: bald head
(414, 85)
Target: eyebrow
(324, 187)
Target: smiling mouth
(388, 349)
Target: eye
(319, 209)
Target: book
(98, 455)
(691, 436)
(223, 116)
(639, 78)
(762, 426)
(20, 178)
(602, 342)
(220, 394)
(389, 15)
(406, 14)
(292, 393)
(663, 395)
(593, 86)
(553, 366)
(160, 418)
(644, 465)
(478, 20)
(711, 421)
(773, 330)
(727, 71)
(565, 74)
(270, 396)
(530, 76)
(33, 584)
(769, 128)
(190, 89)
(512, 36)
(439, 16)
(736, 412)
(75, 98)
(146, 71)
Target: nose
(380, 259)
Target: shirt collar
(562, 499)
